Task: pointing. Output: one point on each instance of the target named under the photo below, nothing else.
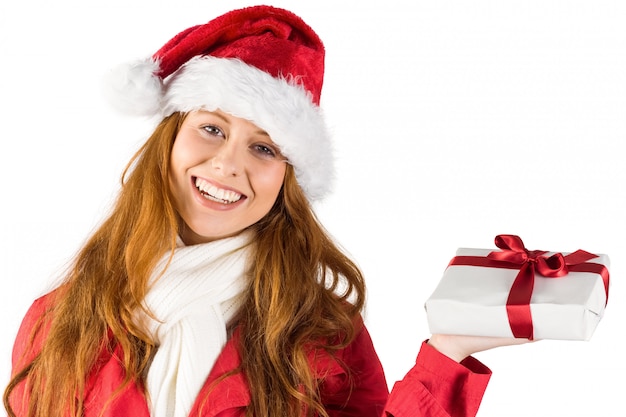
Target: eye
(265, 151)
(213, 130)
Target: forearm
(438, 386)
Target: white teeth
(211, 192)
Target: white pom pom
(134, 88)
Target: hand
(458, 347)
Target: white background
(454, 121)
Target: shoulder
(33, 330)
(353, 377)
(360, 355)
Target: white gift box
(471, 300)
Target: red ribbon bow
(513, 256)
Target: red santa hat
(259, 63)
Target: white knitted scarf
(193, 300)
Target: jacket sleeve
(437, 386)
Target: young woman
(211, 289)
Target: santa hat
(259, 63)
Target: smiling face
(225, 175)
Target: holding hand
(459, 347)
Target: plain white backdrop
(454, 121)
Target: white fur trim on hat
(277, 105)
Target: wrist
(447, 346)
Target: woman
(211, 289)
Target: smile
(211, 192)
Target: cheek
(179, 162)
(267, 184)
(187, 151)
(275, 180)
(175, 171)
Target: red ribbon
(515, 256)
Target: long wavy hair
(304, 293)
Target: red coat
(435, 387)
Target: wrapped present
(516, 292)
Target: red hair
(290, 304)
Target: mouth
(213, 193)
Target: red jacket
(435, 387)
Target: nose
(228, 160)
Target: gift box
(516, 292)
